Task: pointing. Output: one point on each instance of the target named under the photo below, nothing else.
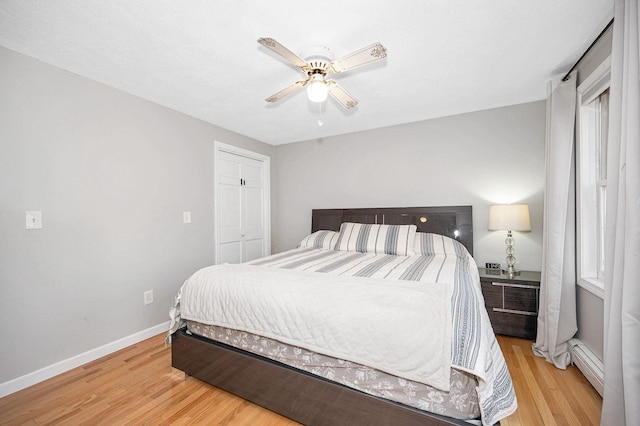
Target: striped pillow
(427, 244)
(320, 239)
(381, 239)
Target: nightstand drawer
(510, 324)
(492, 295)
(510, 297)
(523, 299)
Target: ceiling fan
(317, 64)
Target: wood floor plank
(534, 389)
(527, 410)
(556, 400)
(137, 385)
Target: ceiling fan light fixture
(317, 90)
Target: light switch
(33, 220)
(186, 217)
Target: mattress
(435, 260)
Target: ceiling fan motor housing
(318, 58)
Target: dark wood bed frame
(296, 394)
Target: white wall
(112, 174)
(480, 158)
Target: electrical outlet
(492, 265)
(148, 297)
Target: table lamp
(509, 217)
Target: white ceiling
(201, 57)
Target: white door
(242, 206)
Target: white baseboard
(588, 363)
(52, 370)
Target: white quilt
(408, 334)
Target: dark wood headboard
(437, 220)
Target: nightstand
(512, 302)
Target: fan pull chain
(320, 122)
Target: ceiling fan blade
(287, 90)
(364, 56)
(342, 96)
(284, 52)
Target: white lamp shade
(317, 90)
(509, 217)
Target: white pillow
(380, 239)
(320, 239)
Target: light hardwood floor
(138, 386)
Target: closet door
(229, 219)
(253, 212)
(242, 209)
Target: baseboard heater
(588, 363)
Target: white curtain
(557, 313)
(621, 402)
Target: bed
(375, 318)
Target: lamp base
(511, 259)
(511, 273)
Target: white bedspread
(441, 260)
(408, 334)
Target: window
(593, 128)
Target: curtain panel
(557, 322)
(620, 404)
